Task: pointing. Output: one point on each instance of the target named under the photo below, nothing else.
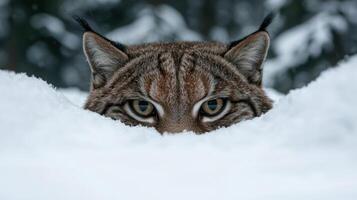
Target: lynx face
(193, 86)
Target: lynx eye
(142, 108)
(213, 107)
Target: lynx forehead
(193, 86)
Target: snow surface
(304, 148)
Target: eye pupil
(212, 104)
(143, 105)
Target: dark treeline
(40, 37)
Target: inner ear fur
(249, 54)
(103, 57)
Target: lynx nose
(173, 126)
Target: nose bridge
(176, 122)
(177, 116)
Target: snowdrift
(304, 148)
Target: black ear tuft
(87, 28)
(267, 21)
(85, 25)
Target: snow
(276, 4)
(69, 6)
(153, 24)
(38, 54)
(304, 148)
(295, 46)
(79, 97)
(57, 29)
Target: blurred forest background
(40, 37)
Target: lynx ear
(248, 55)
(103, 57)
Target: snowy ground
(305, 148)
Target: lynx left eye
(142, 108)
(213, 107)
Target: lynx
(177, 86)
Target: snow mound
(304, 148)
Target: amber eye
(142, 108)
(213, 107)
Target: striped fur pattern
(177, 78)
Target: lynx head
(193, 86)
